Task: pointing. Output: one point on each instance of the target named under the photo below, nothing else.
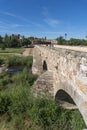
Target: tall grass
(20, 110)
(23, 61)
(25, 112)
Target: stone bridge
(62, 75)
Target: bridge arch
(45, 65)
(64, 96)
(72, 95)
(65, 99)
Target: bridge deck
(76, 48)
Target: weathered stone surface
(68, 70)
(44, 85)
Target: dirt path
(28, 52)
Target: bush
(24, 78)
(4, 102)
(23, 61)
(19, 100)
(3, 47)
(26, 112)
(4, 81)
(1, 61)
(77, 122)
(45, 113)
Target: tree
(45, 38)
(3, 46)
(85, 36)
(14, 43)
(60, 40)
(65, 36)
(26, 42)
(7, 40)
(1, 40)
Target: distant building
(36, 41)
(44, 41)
(54, 41)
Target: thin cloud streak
(49, 20)
(10, 25)
(15, 16)
(45, 12)
(9, 14)
(52, 22)
(23, 19)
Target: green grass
(5, 58)
(13, 60)
(6, 55)
(20, 110)
(12, 50)
(20, 61)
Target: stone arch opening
(44, 66)
(65, 100)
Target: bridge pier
(37, 63)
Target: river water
(17, 70)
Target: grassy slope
(12, 50)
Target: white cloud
(9, 14)
(45, 12)
(52, 22)
(15, 16)
(49, 19)
(16, 25)
(29, 23)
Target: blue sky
(40, 18)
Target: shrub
(24, 77)
(1, 61)
(44, 113)
(19, 100)
(24, 61)
(77, 122)
(3, 47)
(4, 102)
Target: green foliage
(44, 113)
(25, 112)
(14, 41)
(76, 121)
(19, 100)
(26, 42)
(23, 61)
(71, 42)
(61, 40)
(4, 102)
(24, 77)
(39, 113)
(12, 50)
(3, 47)
(1, 61)
(5, 81)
